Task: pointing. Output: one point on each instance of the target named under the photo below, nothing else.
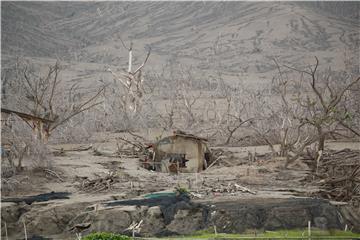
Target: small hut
(181, 153)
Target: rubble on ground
(99, 184)
(338, 175)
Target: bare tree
(234, 114)
(132, 81)
(21, 147)
(293, 134)
(302, 112)
(323, 102)
(189, 100)
(168, 118)
(44, 97)
(177, 88)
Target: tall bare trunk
(321, 139)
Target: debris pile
(220, 157)
(232, 188)
(220, 189)
(134, 151)
(225, 158)
(131, 147)
(339, 174)
(99, 184)
(128, 146)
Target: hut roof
(187, 135)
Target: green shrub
(181, 190)
(105, 236)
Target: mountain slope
(236, 38)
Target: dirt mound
(159, 216)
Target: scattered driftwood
(217, 152)
(38, 198)
(54, 174)
(136, 149)
(99, 184)
(338, 175)
(232, 188)
(135, 143)
(225, 188)
(215, 161)
(61, 151)
(220, 157)
(75, 149)
(78, 228)
(134, 228)
(224, 158)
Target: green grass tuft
(105, 236)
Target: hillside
(211, 135)
(238, 39)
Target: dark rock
(272, 214)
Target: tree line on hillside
(300, 109)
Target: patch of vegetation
(314, 233)
(249, 234)
(105, 236)
(280, 234)
(181, 190)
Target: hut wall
(192, 148)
